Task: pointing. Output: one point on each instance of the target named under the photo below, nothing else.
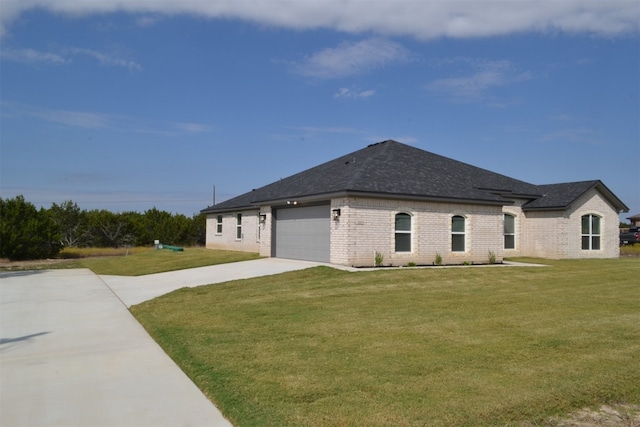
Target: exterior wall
(558, 234)
(520, 227)
(593, 203)
(265, 231)
(544, 234)
(367, 225)
(227, 240)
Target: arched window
(403, 232)
(590, 232)
(457, 234)
(509, 231)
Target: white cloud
(192, 127)
(106, 59)
(351, 58)
(147, 21)
(32, 56)
(92, 120)
(70, 118)
(574, 135)
(346, 93)
(483, 76)
(66, 57)
(419, 19)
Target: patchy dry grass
(409, 347)
(135, 261)
(630, 250)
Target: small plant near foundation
(411, 264)
(466, 263)
(492, 257)
(379, 258)
(438, 260)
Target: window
(509, 231)
(239, 226)
(590, 232)
(219, 224)
(457, 233)
(403, 232)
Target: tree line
(30, 233)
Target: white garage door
(303, 233)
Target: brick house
(410, 205)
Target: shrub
(438, 260)
(25, 232)
(379, 258)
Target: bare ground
(40, 264)
(605, 416)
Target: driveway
(71, 354)
(134, 290)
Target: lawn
(151, 261)
(409, 347)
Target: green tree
(25, 232)
(71, 222)
(199, 229)
(168, 228)
(108, 229)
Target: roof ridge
(393, 169)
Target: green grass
(75, 253)
(156, 261)
(409, 347)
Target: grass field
(148, 261)
(409, 347)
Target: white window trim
(591, 235)
(219, 221)
(409, 232)
(514, 234)
(239, 226)
(458, 233)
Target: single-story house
(634, 220)
(407, 205)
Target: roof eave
(212, 209)
(612, 198)
(546, 208)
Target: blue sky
(129, 106)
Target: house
(411, 206)
(634, 220)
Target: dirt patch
(40, 264)
(605, 416)
(630, 255)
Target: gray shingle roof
(561, 196)
(393, 169)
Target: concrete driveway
(71, 354)
(134, 290)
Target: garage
(303, 233)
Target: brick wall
(557, 234)
(367, 225)
(227, 240)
